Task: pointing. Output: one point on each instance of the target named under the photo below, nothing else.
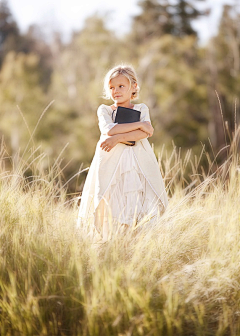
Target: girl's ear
(134, 86)
(134, 90)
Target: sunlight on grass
(177, 276)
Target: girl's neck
(127, 105)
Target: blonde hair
(125, 70)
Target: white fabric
(125, 176)
(130, 196)
(129, 199)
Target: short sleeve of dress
(144, 113)
(105, 121)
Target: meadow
(179, 276)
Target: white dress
(123, 186)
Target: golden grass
(179, 276)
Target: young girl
(124, 184)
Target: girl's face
(120, 89)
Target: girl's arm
(144, 126)
(113, 140)
(123, 128)
(132, 136)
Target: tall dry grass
(179, 276)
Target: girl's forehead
(119, 79)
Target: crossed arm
(127, 132)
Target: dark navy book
(126, 115)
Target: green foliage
(173, 85)
(19, 87)
(191, 90)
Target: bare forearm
(131, 136)
(113, 140)
(124, 128)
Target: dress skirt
(129, 198)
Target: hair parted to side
(125, 70)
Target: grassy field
(180, 276)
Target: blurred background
(186, 55)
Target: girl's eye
(120, 85)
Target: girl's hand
(147, 128)
(110, 142)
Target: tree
(173, 85)
(159, 17)
(33, 42)
(9, 32)
(224, 69)
(154, 20)
(183, 12)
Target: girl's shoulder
(103, 109)
(140, 106)
(104, 106)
